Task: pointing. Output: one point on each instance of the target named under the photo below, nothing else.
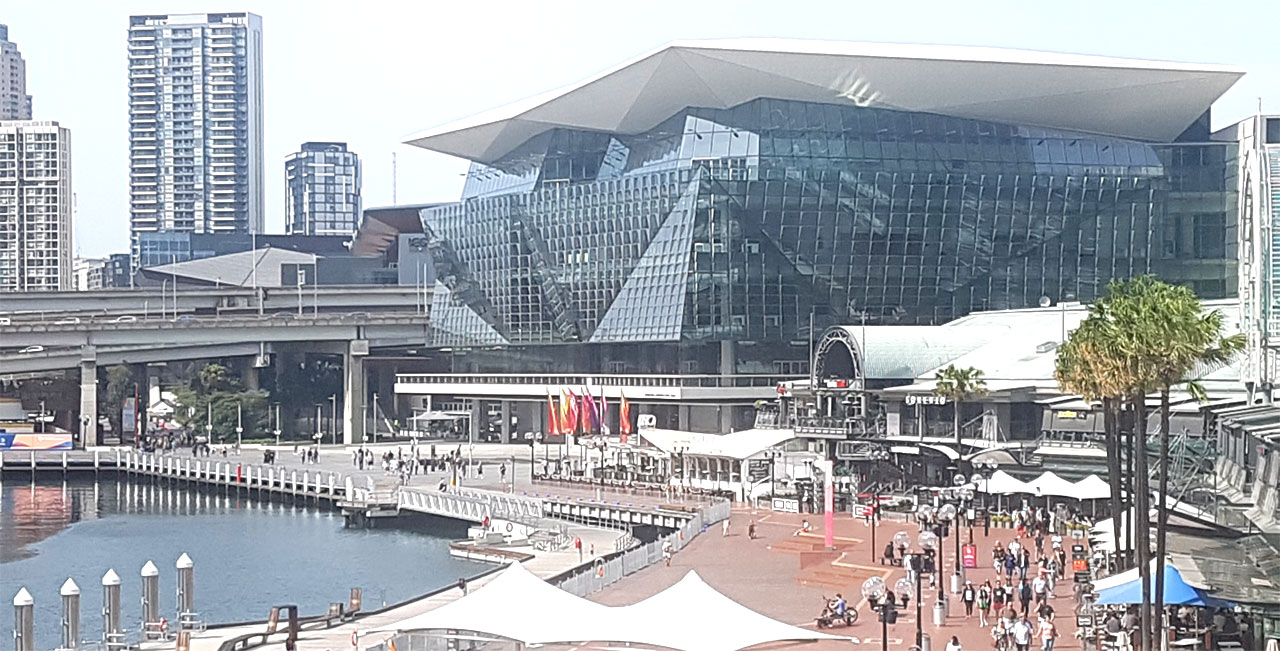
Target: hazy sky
(372, 72)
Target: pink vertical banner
(828, 506)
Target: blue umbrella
(1176, 592)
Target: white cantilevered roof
(1128, 98)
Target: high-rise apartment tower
(15, 103)
(322, 194)
(195, 123)
(35, 206)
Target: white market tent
(489, 610)
(1002, 483)
(1051, 484)
(684, 609)
(1092, 487)
(561, 618)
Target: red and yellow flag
(624, 419)
(553, 419)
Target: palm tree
(1189, 340)
(959, 385)
(1081, 369)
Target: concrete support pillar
(683, 417)
(89, 396)
(250, 375)
(477, 417)
(506, 421)
(353, 391)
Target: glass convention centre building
(709, 207)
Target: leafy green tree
(215, 397)
(120, 385)
(959, 385)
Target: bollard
(70, 614)
(24, 627)
(186, 586)
(110, 608)
(150, 596)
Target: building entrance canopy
(738, 445)
(683, 610)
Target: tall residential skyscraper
(323, 196)
(15, 103)
(35, 206)
(195, 123)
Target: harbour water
(249, 554)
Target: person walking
(999, 596)
(1040, 586)
(1021, 632)
(724, 527)
(984, 604)
(970, 597)
(1048, 634)
(666, 552)
(954, 644)
(751, 530)
(1024, 597)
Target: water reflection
(250, 554)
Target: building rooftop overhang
(1128, 98)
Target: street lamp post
(239, 428)
(277, 430)
(947, 517)
(773, 456)
(928, 541)
(874, 591)
(878, 455)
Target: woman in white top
(954, 644)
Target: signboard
(35, 441)
(1071, 414)
(646, 421)
(784, 505)
(914, 399)
(861, 510)
(129, 416)
(859, 450)
(757, 470)
(969, 555)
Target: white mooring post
(70, 614)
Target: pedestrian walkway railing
(264, 477)
(474, 504)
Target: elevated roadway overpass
(163, 303)
(70, 342)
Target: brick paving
(786, 577)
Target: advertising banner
(969, 555)
(129, 416)
(35, 441)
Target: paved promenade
(786, 577)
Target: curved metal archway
(838, 356)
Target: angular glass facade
(737, 225)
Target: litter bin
(939, 613)
(925, 643)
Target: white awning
(738, 445)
